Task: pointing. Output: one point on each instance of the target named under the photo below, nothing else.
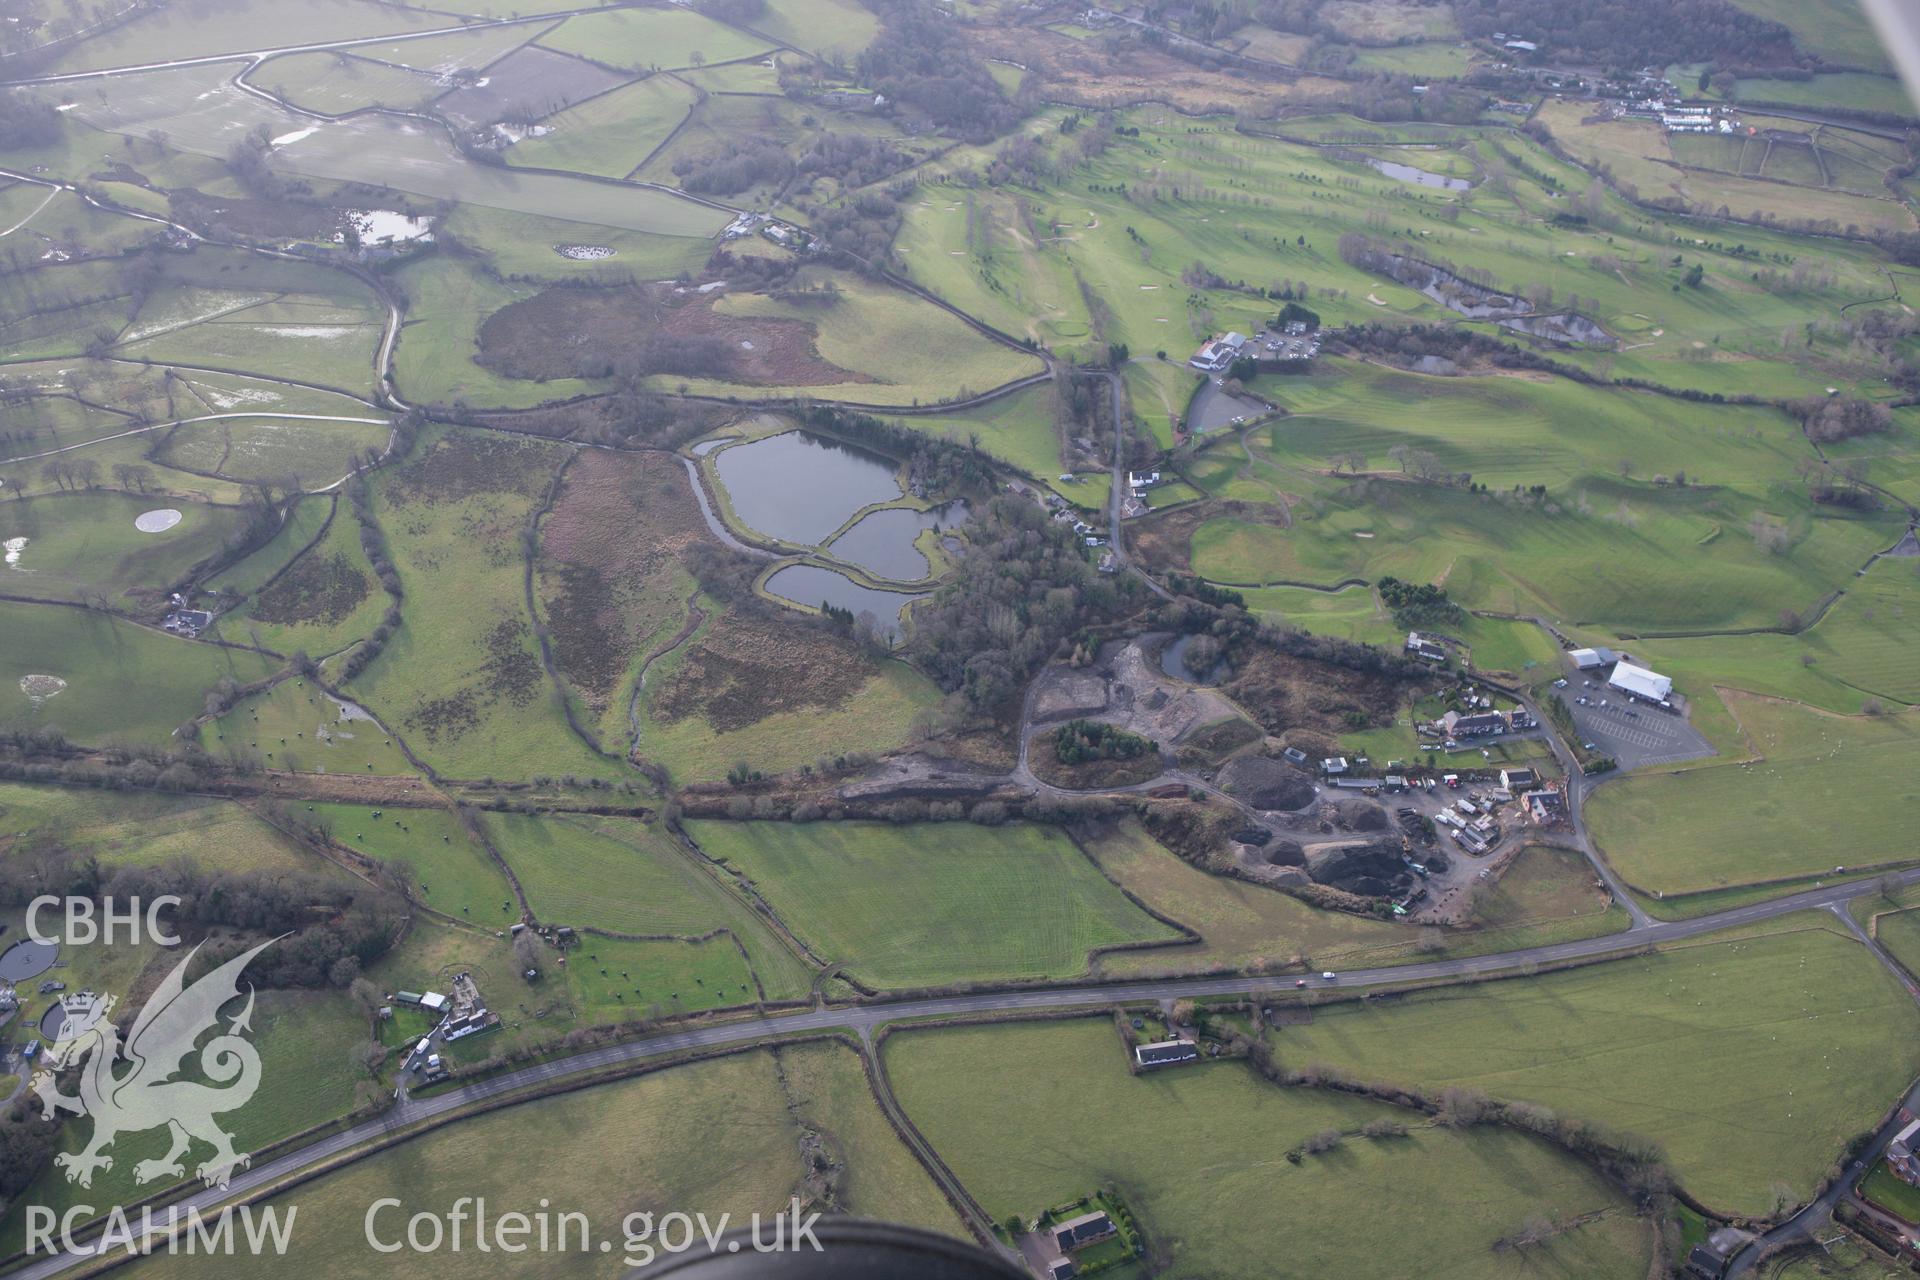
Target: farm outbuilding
(1640, 682)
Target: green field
(295, 727)
(911, 351)
(879, 715)
(1037, 1115)
(651, 39)
(461, 679)
(315, 453)
(935, 903)
(151, 829)
(321, 602)
(1828, 791)
(233, 26)
(122, 680)
(336, 83)
(612, 134)
(306, 1041)
(1749, 1061)
(724, 1135)
(84, 545)
(1598, 546)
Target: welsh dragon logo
(153, 1094)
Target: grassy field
(1588, 550)
(651, 39)
(627, 877)
(878, 715)
(336, 83)
(914, 352)
(326, 600)
(294, 726)
(462, 678)
(610, 135)
(719, 1134)
(201, 112)
(1641, 158)
(1829, 791)
(527, 246)
(932, 904)
(1018, 429)
(435, 356)
(451, 872)
(1749, 1061)
(1032, 1116)
(80, 545)
(272, 449)
(1847, 90)
(1836, 30)
(122, 681)
(150, 829)
(1258, 210)
(307, 1077)
(823, 27)
(232, 26)
(1899, 933)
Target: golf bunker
(14, 547)
(159, 520)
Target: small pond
(1420, 177)
(1173, 662)
(882, 541)
(806, 584)
(27, 959)
(799, 487)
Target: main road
(445, 1108)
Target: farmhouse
(1903, 1154)
(1473, 726)
(1165, 1053)
(1546, 808)
(1078, 1233)
(1423, 647)
(1638, 682)
(1218, 353)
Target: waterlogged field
(1025, 1116)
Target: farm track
(695, 616)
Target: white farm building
(1640, 682)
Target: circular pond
(27, 959)
(1173, 662)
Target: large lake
(799, 488)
